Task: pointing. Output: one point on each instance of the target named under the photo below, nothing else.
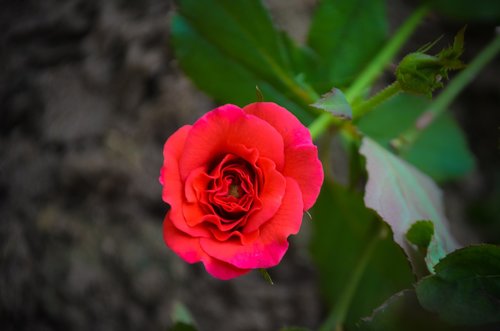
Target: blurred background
(89, 92)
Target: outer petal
(268, 249)
(219, 132)
(303, 165)
(294, 133)
(173, 186)
(188, 248)
(223, 270)
(169, 173)
(301, 156)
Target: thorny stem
(366, 106)
(337, 316)
(442, 102)
(373, 70)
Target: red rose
(238, 182)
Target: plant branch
(376, 100)
(338, 314)
(442, 102)
(373, 70)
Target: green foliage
(183, 321)
(180, 326)
(341, 227)
(266, 276)
(481, 10)
(466, 286)
(421, 73)
(441, 150)
(335, 103)
(420, 233)
(402, 311)
(340, 29)
(228, 47)
(402, 195)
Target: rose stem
(443, 100)
(365, 107)
(337, 315)
(374, 69)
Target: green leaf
(180, 314)
(335, 103)
(420, 233)
(481, 10)
(341, 227)
(228, 47)
(441, 150)
(294, 328)
(466, 286)
(180, 326)
(345, 34)
(402, 311)
(402, 195)
(266, 276)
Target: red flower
(238, 181)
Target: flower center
(234, 191)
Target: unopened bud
(422, 73)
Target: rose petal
(188, 248)
(268, 249)
(301, 156)
(270, 196)
(169, 173)
(294, 133)
(245, 238)
(220, 131)
(178, 218)
(303, 165)
(222, 270)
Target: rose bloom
(238, 182)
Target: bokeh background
(89, 92)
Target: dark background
(89, 91)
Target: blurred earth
(89, 92)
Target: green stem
(376, 67)
(373, 70)
(442, 102)
(365, 107)
(338, 314)
(320, 124)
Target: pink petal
(270, 197)
(220, 131)
(177, 217)
(294, 133)
(301, 156)
(269, 248)
(169, 173)
(222, 270)
(303, 165)
(188, 248)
